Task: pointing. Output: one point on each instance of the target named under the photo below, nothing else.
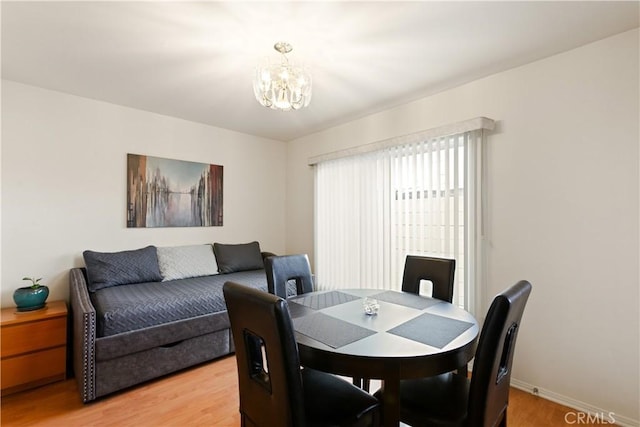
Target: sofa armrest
(84, 334)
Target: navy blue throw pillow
(105, 269)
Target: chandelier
(282, 86)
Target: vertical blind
(374, 208)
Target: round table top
(410, 336)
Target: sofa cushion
(105, 269)
(241, 257)
(182, 262)
(131, 307)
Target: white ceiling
(195, 60)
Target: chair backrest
(440, 271)
(269, 378)
(281, 269)
(491, 377)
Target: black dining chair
(454, 400)
(282, 269)
(274, 390)
(440, 271)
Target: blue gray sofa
(142, 314)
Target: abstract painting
(172, 193)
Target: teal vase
(30, 298)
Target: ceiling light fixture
(283, 86)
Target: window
(417, 195)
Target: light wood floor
(206, 395)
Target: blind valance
(440, 131)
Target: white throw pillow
(181, 262)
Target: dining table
(404, 336)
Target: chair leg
(363, 383)
(503, 421)
(463, 370)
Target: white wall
(563, 210)
(64, 182)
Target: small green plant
(35, 283)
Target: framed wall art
(172, 193)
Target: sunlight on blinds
(427, 210)
(375, 208)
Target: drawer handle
(173, 344)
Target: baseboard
(595, 415)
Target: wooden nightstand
(33, 347)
